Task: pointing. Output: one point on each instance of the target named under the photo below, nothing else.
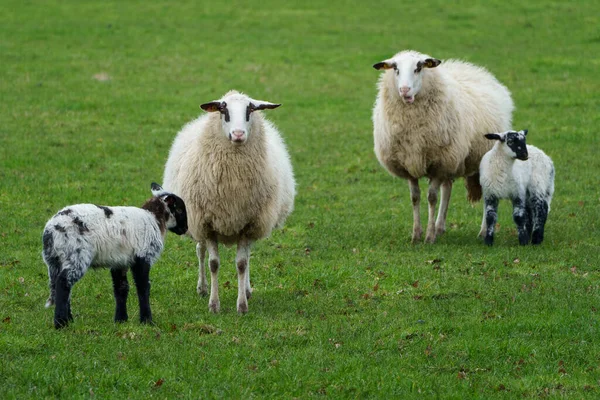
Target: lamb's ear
(494, 136)
(386, 64)
(156, 189)
(263, 105)
(431, 62)
(213, 106)
(524, 132)
(169, 199)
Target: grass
(93, 93)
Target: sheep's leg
(241, 261)
(415, 198)
(70, 274)
(491, 216)
(213, 260)
(540, 215)
(141, 275)
(432, 197)
(520, 218)
(440, 223)
(202, 287)
(121, 291)
(248, 287)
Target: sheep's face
(408, 68)
(175, 211)
(236, 113)
(513, 143)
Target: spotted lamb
(525, 175)
(85, 235)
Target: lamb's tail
(473, 186)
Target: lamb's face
(175, 211)
(236, 113)
(177, 220)
(408, 68)
(513, 143)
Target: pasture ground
(344, 306)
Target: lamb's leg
(141, 275)
(440, 223)
(483, 229)
(520, 218)
(202, 287)
(213, 261)
(432, 197)
(529, 223)
(415, 198)
(540, 215)
(491, 216)
(70, 274)
(241, 261)
(54, 268)
(121, 291)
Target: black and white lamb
(86, 235)
(522, 173)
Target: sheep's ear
(212, 106)
(387, 64)
(494, 136)
(524, 132)
(263, 105)
(431, 62)
(156, 188)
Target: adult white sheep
(232, 169)
(429, 120)
(86, 235)
(514, 170)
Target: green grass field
(344, 306)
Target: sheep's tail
(473, 186)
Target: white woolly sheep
(519, 172)
(232, 169)
(428, 121)
(86, 235)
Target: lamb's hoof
(242, 308)
(214, 306)
(146, 320)
(60, 323)
(248, 293)
(202, 291)
(440, 230)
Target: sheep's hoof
(248, 293)
(214, 306)
(440, 230)
(430, 239)
(416, 237)
(202, 291)
(242, 308)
